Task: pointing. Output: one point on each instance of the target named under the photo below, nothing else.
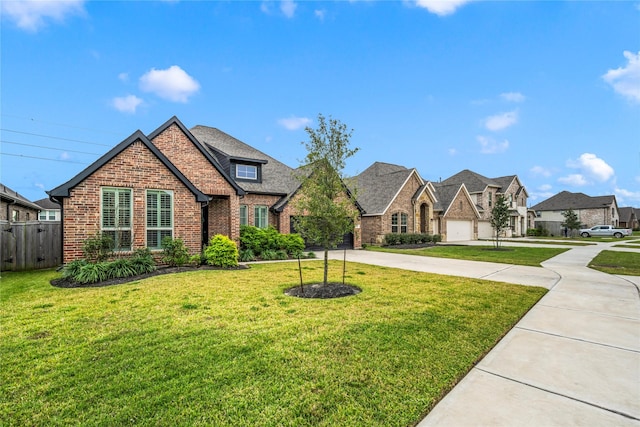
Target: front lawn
(228, 348)
(517, 255)
(617, 262)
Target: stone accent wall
(138, 169)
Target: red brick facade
(138, 169)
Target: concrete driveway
(573, 360)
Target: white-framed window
(399, 222)
(159, 217)
(116, 213)
(15, 215)
(260, 217)
(247, 172)
(244, 215)
(49, 215)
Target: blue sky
(548, 91)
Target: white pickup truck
(605, 230)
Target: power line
(42, 158)
(58, 124)
(53, 137)
(47, 148)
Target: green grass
(509, 255)
(617, 262)
(228, 348)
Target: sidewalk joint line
(560, 394)
(577, 339)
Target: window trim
(244, 219)
(158, 228)
(257, 216)
(246, 168)
(399, 223)
(103, 229)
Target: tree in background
(499, 217)
(326, 209)
(571, 221)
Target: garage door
(459, 230)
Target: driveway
(572, 360)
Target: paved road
(573, 360)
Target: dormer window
(247, 172)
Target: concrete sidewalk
(573, 360)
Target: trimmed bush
(261, 240)
(98, 248)
(221, 252)
(174, 252)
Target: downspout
(60, 202)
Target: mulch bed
(319, 290)
(66, 283)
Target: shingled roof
(475, 182)
(277, 178)
(567, 200)
(378, 185)
(7, 193)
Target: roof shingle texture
(567, 200)
(377, 186)
(277, 178)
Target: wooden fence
(30, 246)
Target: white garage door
(485, 231)
(459, 230)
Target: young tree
(571, 221)
(326, 209)
(500, 217)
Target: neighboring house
(174, 183)
(457, 214)
(49, 210)
(590, 211)
(629, 217)
(484, 193)
(15, 207)
(397, 200)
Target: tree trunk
(326, 265)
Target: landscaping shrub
(436, 238)
(221, 252)
(247, 255)
(98, 248)
(269, 255)
(85, 272)
(261, 240)
(409, 239)
(174, 252)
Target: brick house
(629, 217)
(397, 200)
(590, 211)
(15, 207)
(484, 191)
(174, 183)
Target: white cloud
(540, 171)
(545, 187)
(490, 146)
(626, 80)
(452, 151)
(126, 104)
(513, 96)
(592, 166)
(31, 15)
(441, 7)
(626, 195)
(294, 123)
(65, 156)
(501, 121)
(173, 84)
(288, 7)
(123, 77)
(575, 180)
(320, 14)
